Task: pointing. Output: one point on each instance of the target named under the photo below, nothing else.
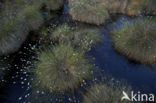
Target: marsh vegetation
(62, 68)
(64, 61)
(137, 40)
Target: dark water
(18, 80)
(140, 77)
(109, 62)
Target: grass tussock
(31, 17)
(88, 11)
(104, 93)
(130, 7)
(80, 36)
(62, 68)
(137, 40)
(137, 7)
(17, 19)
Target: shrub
(104, 93)
(88, 11)
(80, 35)
(62, 68)
(137, 40)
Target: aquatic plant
(104, 93)
(53, 4)
(88, 11)
(62, 68)
(80, 35)
(137, 40)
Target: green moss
(80, 35)
(137, 40)
(104, 93)
(88, 11)
(62, 68)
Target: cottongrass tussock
(62, 68)
(104, 93)
(88, 11)
(137, 40)
(17, 19)
(80, 36)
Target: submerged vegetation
(80, 35)
(137, 40)
(88, 11)
(62, 68)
